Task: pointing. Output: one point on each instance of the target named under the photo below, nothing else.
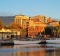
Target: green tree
(48, 31)
(57, 30)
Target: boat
(6, 42)
(54, 41)
(26, 42)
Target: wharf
(6, 42)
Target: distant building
(20, 19)
(4, 32)
(49, 20)
(54, 23)
(35, 28)
(39, 18)
(34, 25)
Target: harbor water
(31, 50)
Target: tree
(24, 32)
(1, 24)
(15, 26)
(48, 31)
(57, 30)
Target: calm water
(31, 50)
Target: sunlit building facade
(34, 25)
(35, 28)
(39, 18)
(20, 19)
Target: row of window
(32, 33)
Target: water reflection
(31, 50)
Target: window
(27, 22)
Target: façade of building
(34, 24)
(21, 19)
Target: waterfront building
(20, 19)
(35, 29)
(39, 18)
(35, 25)
(49, 20)
(26, 23)
(54, 23)
(7, 33)
(4, 33)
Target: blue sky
(30, 7)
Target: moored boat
(56, 40)
(26, 42)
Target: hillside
(7, 19)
